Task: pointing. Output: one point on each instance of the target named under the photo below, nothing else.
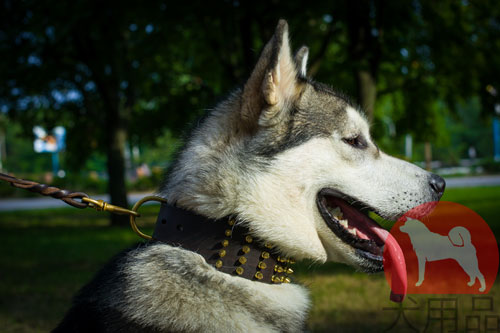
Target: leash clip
(101, 205)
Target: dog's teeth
(343, 223)
(335, 210)
(352, 231)
(337, 213)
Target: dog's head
(295, 160)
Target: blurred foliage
(490, 165)
(91, 178)
(99, 67)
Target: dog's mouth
(347, 218)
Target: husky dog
(431, 246)
(293, 162)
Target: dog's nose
(438, 184)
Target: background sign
(49, 143)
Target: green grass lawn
(46, 256)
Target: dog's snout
(438, 184)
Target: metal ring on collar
(136, 207)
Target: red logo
(448, 249)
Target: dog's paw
(419, 283)
(470, 283)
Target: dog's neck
(224, 244)
(202, 177)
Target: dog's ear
(301, 61)
(273, 82)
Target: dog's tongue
(394, 261)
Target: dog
(430, 246)
(290, 162)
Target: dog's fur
(430, 246)
(262, 155)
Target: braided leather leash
(75, 199)
(69, 197)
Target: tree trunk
(115, 147)
(103, 58)
(3, 154)
(428, 155)
(367, 91)
(364, 49)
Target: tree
(116, 72)
(87, 70)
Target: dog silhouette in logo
(430, 246)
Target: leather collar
(224, 244)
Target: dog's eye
(355, 141)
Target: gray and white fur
(262, 155)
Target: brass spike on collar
(223, 243)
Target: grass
(47, 255)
